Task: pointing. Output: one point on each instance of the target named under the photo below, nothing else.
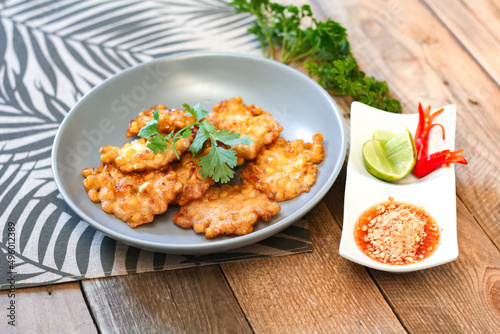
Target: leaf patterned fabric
(51, 54)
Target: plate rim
(217, 245)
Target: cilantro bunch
(321, 47)
(218, 163)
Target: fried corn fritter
(134, 197)
(169, 120)
(285, 169)
(249, 120)
(135, 156)
(194, 184)
(226, 210)
(135, 184)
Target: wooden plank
(476, 25)
(317, 292)
(191, 300)
(406, 45)
(58, 308)
(421, 60)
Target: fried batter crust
(248, 120)
(134, 197)
(226, 210)
(169, 120)
(135, 156)
(284, 170)
(194, 184)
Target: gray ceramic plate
(101, 118)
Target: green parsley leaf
(197, 111)
(218, 163)
(151, 128)
(157, 144)
(231, 138)
(201, 137)
(208, 126)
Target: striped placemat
(51, 54)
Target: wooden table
(433, 51)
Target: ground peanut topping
(397, 233)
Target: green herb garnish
(218, 163)
(321, 47)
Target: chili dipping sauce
(396, 233)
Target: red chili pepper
(436, 160)
(429, 163)
(423, 129)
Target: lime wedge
(392, 161)
(376, 162)
(383, 136)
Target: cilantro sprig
(321, 47)
(159, 143)
(219, 161)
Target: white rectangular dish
(434, 193)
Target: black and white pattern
(51, 54)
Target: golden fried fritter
(133, 197)
(169, 120)
(284, 170)
(135, 156)
(194, 184)
(247, 120)
(226, 210)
